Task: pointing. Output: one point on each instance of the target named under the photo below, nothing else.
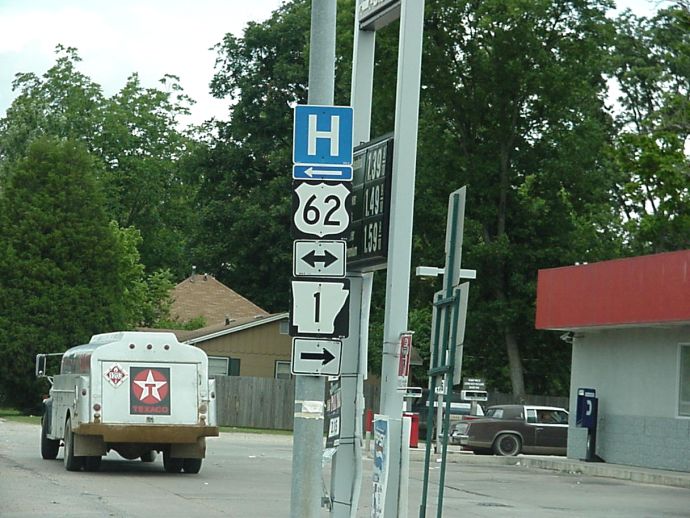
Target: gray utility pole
(346, 471)
(307, 451)
(346, 478)
(400, 233)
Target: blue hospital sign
(322, 135)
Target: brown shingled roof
(202, 295)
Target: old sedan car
(512, 429)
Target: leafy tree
(136, 137)
(60, 262)
(513, 108)
(653, 72)
(144, 154)
(147, 297)
(62, 103)
(244, 198)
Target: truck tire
(171, 464)
(507, 444)
(149, 456)
(49, 447)
(72, 463)
(92, 463)
(192, 465)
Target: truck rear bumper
(154, 434)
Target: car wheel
(507, 445)
(149, 456)
(72, 463)
(171, 464)
(49, 447)
(192, 465)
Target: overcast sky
(151, 37)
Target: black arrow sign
(325, 357)
(327, 258)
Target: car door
(551, 430)
(529, 431)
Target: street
(248, 475)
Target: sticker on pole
(405, 357)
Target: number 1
(317, 306)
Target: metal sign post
(321, 138)
(447, 338)
(400, 234)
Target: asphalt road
(249, 475)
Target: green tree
(136, 136)
(60, 263)
(144, 151)
(513, 108)
(244, 197)
(653, 72)
(62, 103)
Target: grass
(262, 431)
(15, 415)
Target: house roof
(636, 291)
(203, 295)
(216, 330)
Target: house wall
(635, 374)
(257, 348)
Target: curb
(570, 466)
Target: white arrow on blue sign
(322, 135)
(341, 173)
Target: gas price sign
(367, 244)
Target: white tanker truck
(133, 392)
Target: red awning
(645, 290)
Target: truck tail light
(97, 407)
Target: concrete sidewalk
(563, 465)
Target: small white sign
(116, 375)
(321, 209)
(316, 357)
(319, 258)
(316, 306)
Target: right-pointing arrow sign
(324, 356)
(316, 357)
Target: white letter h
(314, 134)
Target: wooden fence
(269, 403)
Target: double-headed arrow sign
(327, 258)
(319, 258)
(316, 357)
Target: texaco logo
(150, 390)
(115, 375)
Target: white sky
(151, 37)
